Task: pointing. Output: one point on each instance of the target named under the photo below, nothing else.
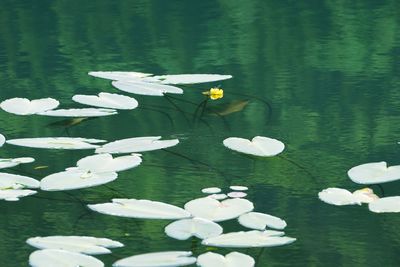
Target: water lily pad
(143, 209)
(233, 259)
(238, 188)
(14, 181)
(374, 173)
(187, 78)
(56, 142)
(249, 239)
(79, 112)
(218, 196)
(15, 194)
(75, 179)
(8, 163)
(341, 197)
(58, 257)
(79, 244)
(385, 204)
(214, 210)
(146, 88)
(158, 259)
(107, 100)
(2, 140)
(237, 194)
(119, 75)
(24, 106)
(137, 144)
(198, 227)
(211, 190)
(260, 221)
(106, 163)
(258, 146)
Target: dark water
(322, 76)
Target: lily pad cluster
(366, 174)
(199, 218)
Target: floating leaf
(218, 196)
(249, 239)
(238, 188)
(211, 190)
(187, 78)
(260, 221)
(214, 210)
(80, 244)
(106, 100)
(2, 140)
(158, 259)
(79, 112)
(14, 181)
(118, 75)
(237, 194)
(8, 163)
(106, 163)
(341, 197)
(145, 88)
(229, 108)
(374, 173)
(258, 146)
(385, 204)
(15, 194)
(23, 106)
(75, 179)
(58, 257)
(137, 144)
(233, 259)
(144, 209)
(198, 227)
(56, 142)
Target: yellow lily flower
(215, 93)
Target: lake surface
(322, 76)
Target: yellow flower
(215, 93)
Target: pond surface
(322, 76)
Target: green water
(322, 76)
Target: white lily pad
(8, 163)
(24, 106)
(107, 100)
(198, 227)
(374, 173)
(58, 257)
(249, 239)
(158, 259)
(56, 142)
(118, 75)
(75, 179)
(146, 88)
(106, 163)
(237, 194)
(341, 197)
(79, 112)
(14, 181)
(2, 140)
(15, 194)
(187, 78)
(385, 204)
(211, 190)
(214, 210)
(238, 188)
(80, 244)
(233, 259)
(259, 146)
(260, 221)
(218, 196)
(143, 209)
(137, 144)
